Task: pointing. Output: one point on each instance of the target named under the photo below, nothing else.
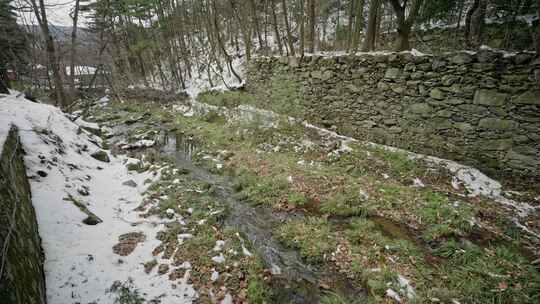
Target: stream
(296, 281)
(293, 281)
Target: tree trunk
(468, 22)
(41, 16)
(72, 49)
(287, 26)
(312, 21)
(256, 23)
(405, 23)
(301, 20)
(477, 24)
(403, 38)
(350, 25)
(358, 24)
(276, 28)
(536, 34)
(369, 39)
(4, 83)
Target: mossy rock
(101, 156)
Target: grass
(440, 257)
(126, 293)
(312, 236)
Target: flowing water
(294, 281)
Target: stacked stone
(480, 108)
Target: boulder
(101, 156)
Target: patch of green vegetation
(257, 290)
(261, 190)
(229, 99)
(126, 293)
(312, 236)
(297, 199)
(334, 298)
(496, 274)
(347, 202)
(444, 218)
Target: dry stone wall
(22, 280)
(481, 108)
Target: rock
(485, 56)
(353, 88)
(42, 173)
(101, 156)
(454, 101)
(83, 191)
(437, 94)
(489, 98)
(438, 64)
(496, 124)
(448, 80)
(529, 97)
(522, 58)
(133, 166)
(390, 122)
(420, 108)
(392, 73)
(163, 269)
(92, 220)
(518, 160)
(130, 183)
(495, 144)
(464, 127)
(462, 58)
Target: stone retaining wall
(22, 280)
(482, 109)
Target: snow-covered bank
(80, 264)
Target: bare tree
(405, 23)
(369, 40)
(287, 26)
(73, 47)
(312, 25)
(54, 65)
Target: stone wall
(482, 109)
(22, 280)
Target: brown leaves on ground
(128, 242)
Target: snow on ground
(80, 264)
(200, 81)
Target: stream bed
(292, 280)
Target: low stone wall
(482, 109)
(22, 280)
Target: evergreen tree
(12, 42)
